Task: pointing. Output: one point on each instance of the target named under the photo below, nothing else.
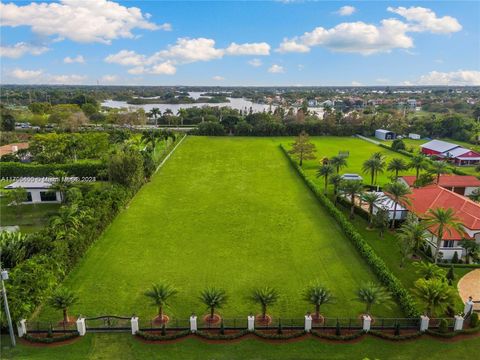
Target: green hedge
(472, 266)
(50, 340)
(449, 335)
(153, 337)
(85, 168)
(353, 336)
(279, 336)
(386, 336)
(378, 266)
(209, 336)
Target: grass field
(228, 212)
(125, 346)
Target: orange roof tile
(450, 180)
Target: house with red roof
(451, 152)
(460, 184)
(467, 211)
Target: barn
(384, 134)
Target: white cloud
(70, 60)
(356, 83)
(126, 58)
(276, 69)
(422, 19)
(363, 38)
(165, 68)
(248, 49)
(346, 10)
(21, 48)
(190, 50)
(460, 77)
(136, 70)
(218, 78)
(255, 62)
(109, 78)
(79, 20)
(26, 74)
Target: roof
(439, 145)
(387, 203)
(31, 183)
(383, 131)
(8, 149)
(434, 197)
(449, 181)
(351, 177)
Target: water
(235, 103)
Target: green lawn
(228, 212)
(125, 346)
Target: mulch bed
(44, 335)
(209, 320)
(164, 320)
(263, 321)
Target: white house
(384, 134)
(414, 136)
(388, 204)
(37, 190)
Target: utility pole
(4, 276)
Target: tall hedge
(84, 168)
(378, 266)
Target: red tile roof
(7, 149)
(450, 181)
(433, 197)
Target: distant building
(37, 190)
(451, 152)
(384, 134)
(414, 136)
(355, 177)
(412, 104)
(312, 102)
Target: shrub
(210, 128)
(398, 144)
(152, 337)
(443, 327)
(455, 258)
(397, 329)
(49, 340)
(82, 168)
(474, 320)
(337, 329)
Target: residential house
(460, 184)
(38, 190)
(451, 152)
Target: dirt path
(469, 285)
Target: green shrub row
(386, 336)
(353, 336)
(376, 263)
(279, 336)
(209, 336)
(473, 266)
(153, 337)
(84, 168)
(50, 340)
(449, 335)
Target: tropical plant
(160, 294)
(61, 184)
(435, 294)
(213, 298)
(317, 295)
(13, 248)
(372, 294)
(418, 162)
(415, 231)
(325, 171)
(335, 180)
(429, 270)
(265, 296)
(69, 219)
(475, 195)
(396, 165)
(352, 188)
(62, 299)
(302, 148)
(438, 168)
(338, 162)
(472, 249)
(371, 198)
(440, 221)
(406, 247)
(398, 192)
(373, 166)
(381, 220)
(155, 112)
(150, 138)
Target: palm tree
(396, 165)
(441, 220)
(61, 184)
(159, 294)
(62, 299)
(68, 219)
(434, 294)
(418, 162)
(325, 171)
(213, 298)
(338, 162)
(155, 112)
(352, 188)
(472, 249)
(398, 192)
(438, 168)
(265, 296)
(415, 231)
(373, 166)
(317, 295)
(372, 294)
(335, 180)
(150, 138)
(371, 198)
(428, 270)
(406, 248)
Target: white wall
(37, 199)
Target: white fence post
(458, 323)
(424, 320)
(134, 323)
(467, 310)
(193, 323)
(22, 328)
(308, 323)
(367, 321)
(251, 323)
(81, 328)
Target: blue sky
(240, 43)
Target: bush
(209, 336)
(383, 335)
(210, 128)
(455, 258)
(280, 336)
(398, 144)
(152, 337)
(443, 327)
(474, 320)
(82, 168)
(50, 340)
(339, 337)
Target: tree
(398, 192)
(371, 198)
(335, 180)
(374, 165)
(17, 197)
(160, 294)
(62, 299)
(352, 188)
(438, 168)
(126, 168)
(440, 221)
(265, 296)
(406, 247)
(396, 165)
(213, 298)
(317, 295)
(398, 144)
(155, 112)
(435, 294)
(68, 220)
(338, 162)
(372, 294)
(382, 220)
(472, 249)
(302, 148)
(325, 171)
(418, 162)
(415, 231)
(13, 248)
(61, 184)
(429, 271)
